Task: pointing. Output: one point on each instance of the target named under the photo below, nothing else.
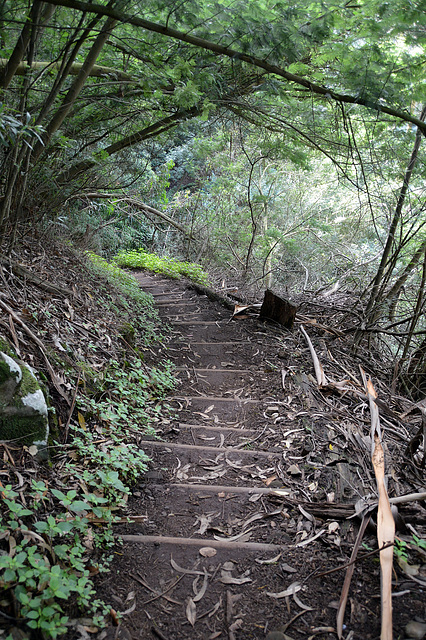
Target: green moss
(29, 383)
(23, 416)
(23, 429)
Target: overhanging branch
(232, 53)
(98, 71)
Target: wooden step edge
(167, 293)
(206, 343)
(198, 542)
(206, 323)
(221, 399)
(195, 447)
(219, 488)
(185, 425)
(165, 303)
(210, 370)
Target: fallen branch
(348, 577)
(40, 345)
(319, 371)
(19, 270)
(385, 521)
(97, 70)
(135, 203)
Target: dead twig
(158, 633)
(348, 577)
(385, 520)
(159, 595)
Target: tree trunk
(372, 311)
(40, 12)
(76, 87)
(393, 294)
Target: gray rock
(23, 407)
(415, 630)
(276, 635)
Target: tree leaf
(191, 611)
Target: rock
(415, 630)
(23, 407)
(276, 635)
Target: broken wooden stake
(278, 309)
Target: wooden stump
(278, 309)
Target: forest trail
(232, 533)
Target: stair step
(211, 370)
(185, 425)
(205, 323)
(145, 444)
(220, 399)
(167, 303)
(198, 542)
(218, 488)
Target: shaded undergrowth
(57, 517)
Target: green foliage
(127, 396)
(138, 305)
(58, 533)
(168, 266)
(43, 571)
(13, 129)
(102, 227)
(402, 548)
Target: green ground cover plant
(140, 259)
(56, 526)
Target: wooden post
(278, 309)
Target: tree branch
(238, 55)
(97, 71)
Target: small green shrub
(140, 259)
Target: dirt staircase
(210, 546)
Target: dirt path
(215, 540)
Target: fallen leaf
(227, 578)
(294, 470)
(191, 611)
(199, 594)
(242, 537)
(204, 521)
(190, 572)
(333, 527)
(270, 561)
(286, 567)
(292, 589)
(114, 617)
(408, 569)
